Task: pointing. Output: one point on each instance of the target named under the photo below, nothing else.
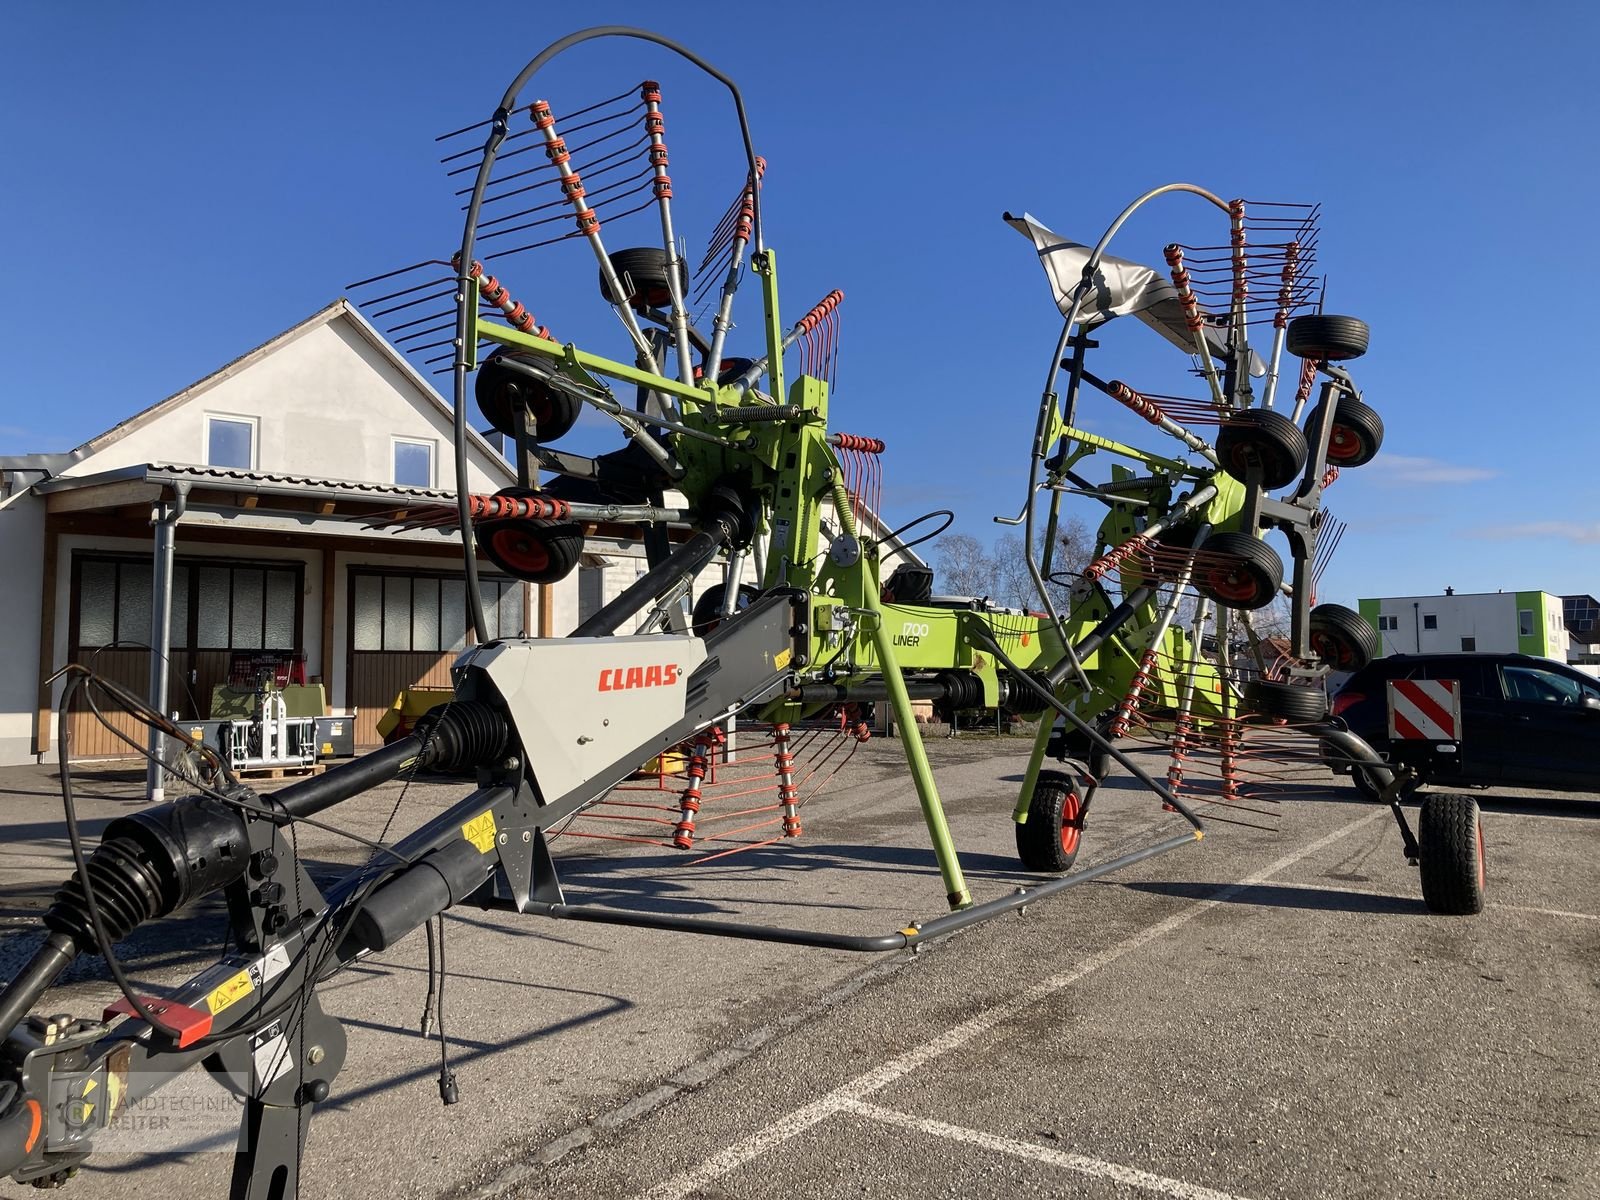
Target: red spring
(543, 118)
(650, 92)
(855, 441)
(572, 187)
(1291, 260)
(493, 291)
(588, 222)
(1329, 476)
(1111, 558)
(1140, 404)
(658, 155)
(824, 306)
(1308, 376)
(654, 124)
(1180, 280)
(532, 508)
(1130, 702)
(556, 151)
(662, 187)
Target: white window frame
(432, 445)
(1525, 625)
(237, 419)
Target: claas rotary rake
(726, 460)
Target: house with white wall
(269, 474)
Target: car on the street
(1525, 722)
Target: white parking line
(850, 1094)
(1116, 1172)
(1548, 912)
(1337, 886)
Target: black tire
(1342, 637)
(1450, 853)
(1356, 436)
(1296, 705)
(1051, 836)
(1327, 339)
(535, 551)
(1238, 571)
(500, 387)
(1260, 435)
(707, 612)
(642, 272)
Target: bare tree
(963, 568)
(1013, 584)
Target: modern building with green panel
(1488, 622)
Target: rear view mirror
(1592, 703)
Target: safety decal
(480, 831)
(780, 660)
(230, 993)
(1425, 710)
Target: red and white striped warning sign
(1427, 710)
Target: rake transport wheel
(1450, 853)
(536, 551)
(1238, 571)
(707, 612)
(500, 387)
(1327, 339)
(1049, 839)
(1260, 435)
(1296, 705)
(643, 275)
(1356, 436)
(1342, 637)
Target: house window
(413, 463)
(1470, 643)
(1430, 621)
(215, 606)
(231, 442)
(1525, 622)
(428, 613)
(1388, 624)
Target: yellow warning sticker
(780, 660)
(480, 831)
(231, 992)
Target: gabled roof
(340, 309)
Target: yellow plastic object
(673, 762)
(407, 707)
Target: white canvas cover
(1121, 288)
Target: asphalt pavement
(1268, 1013)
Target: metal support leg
(944, 848)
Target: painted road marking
(1131, 1176)
(1338, 886)
(858, 1089)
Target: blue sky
(183, 181)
